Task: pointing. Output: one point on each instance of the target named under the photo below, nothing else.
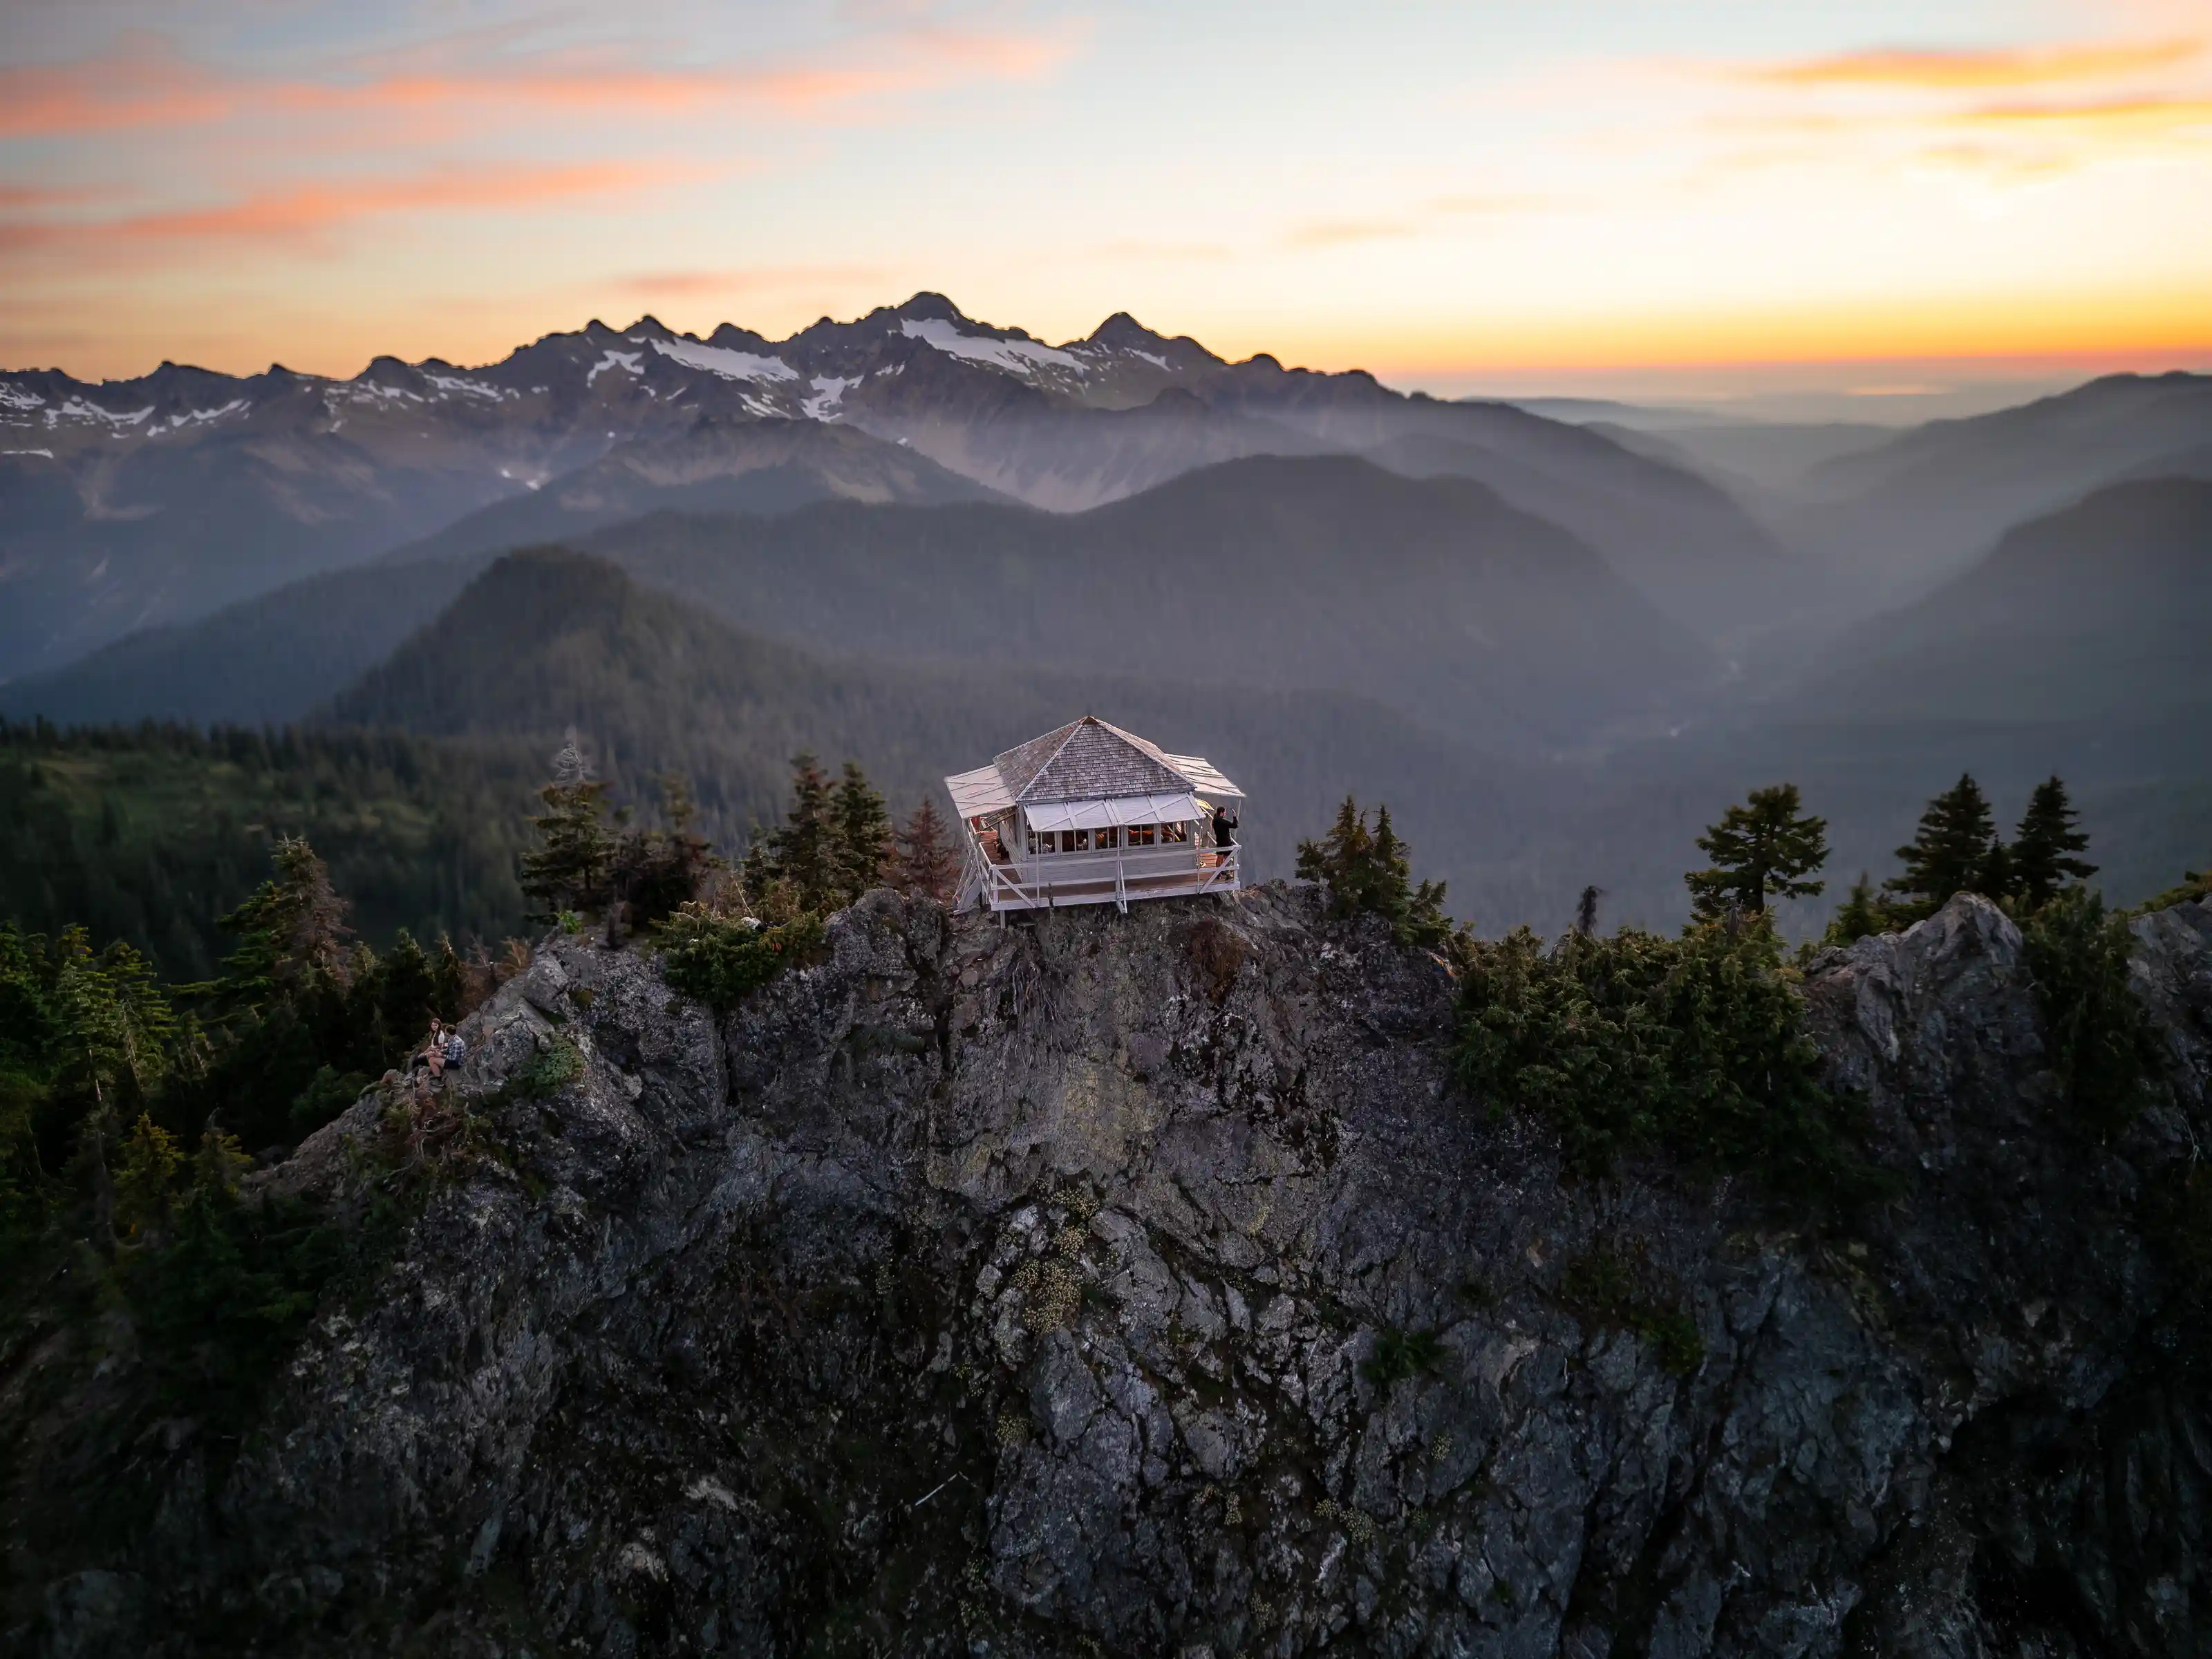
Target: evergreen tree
(113, 1024)
(864, 835)
(802, 859)
(1370, 872)
(659, 868)
(150, 1159)
(1765, 846)
(568, 870)
(291, 931)
(1950, 852)
(1860, 914)
(926, 860)
(2044, 852)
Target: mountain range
(933, 536)
(145, 502)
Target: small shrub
(1401, 1354)
(2194, 885)
(1695, 1045)
(718, 959)
(551, 1070)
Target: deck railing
(1050, 879)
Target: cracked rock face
(1141, 1285)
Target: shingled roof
(1087, 760)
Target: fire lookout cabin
(1090, 814)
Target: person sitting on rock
(430, 1057)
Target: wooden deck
(997, 882)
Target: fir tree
(864, 835)
(1860, 914)
(659, 868)
(568, 870)
(150, 1159)
(1765, 846)
(291, 931)
(2045, 853)
(800, 857)
(1951, 852)
(925, 859)
(1370, 872)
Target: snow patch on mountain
(622, 360)
(370, 392)
(1022, 357)
(202, 417)
(468, 388)
(828, 391)
(721, 360)
(77, 409)
(14, 397)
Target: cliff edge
(1143, 1284)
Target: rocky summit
(1145, 1284)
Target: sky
(1883, 203)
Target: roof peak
(1087, 759)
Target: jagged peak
(926, 305)
(1123, 329)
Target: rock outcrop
(1144, 1285)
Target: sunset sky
(1586, 195)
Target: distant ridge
(142, 503)
(1322, 572)
(2094, 613)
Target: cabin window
(1140, 835)
(1106, 840)
(1042, 841)
(1175, 832)
(1075, 841)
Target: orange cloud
(686, 284)
(304, 213)
(2128, 117)
(142, 84)
(1342, 232)
(139, 84)
(1141, 248)
(1502, 202)
(1941, 70)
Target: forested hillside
(545, 641)
(149, 834)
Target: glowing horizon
(1448, 198)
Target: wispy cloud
(142, 83)
(1138, 248)
(303, 215)
(2148, 117)
(1493, 202)
(695, 284)
(1344, 232)
(1938, 69)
